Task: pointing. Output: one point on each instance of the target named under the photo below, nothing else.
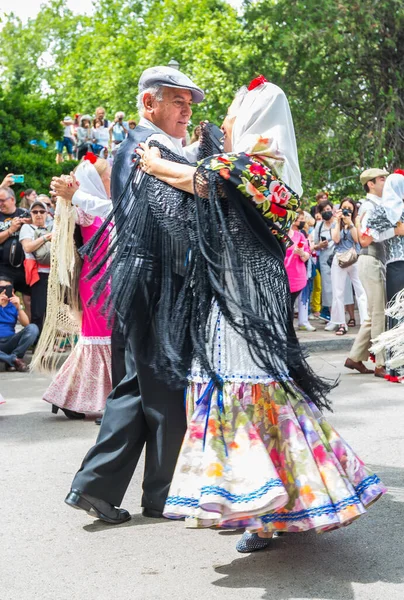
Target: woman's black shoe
(97, 508)
(70, 414)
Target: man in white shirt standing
(142, 410)
(372, 273)
(68, 141)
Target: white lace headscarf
(90, 181)
(264, 113)
(393, 196)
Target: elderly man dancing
(141, 410)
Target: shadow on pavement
(136, 521)
(325, 566)
(37, 426)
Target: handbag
(11, 252)
(330, 259)
(43, 254)
(347, 258)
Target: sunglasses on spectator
(38, 212)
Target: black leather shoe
(151, 513)
(98, 420)
(70, 414)
(97, 508)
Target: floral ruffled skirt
(84, 381)
(263, 457)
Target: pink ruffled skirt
(84, 381)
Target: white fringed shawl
(63, 318)
(393, 340)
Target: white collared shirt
(172, 143)
(161, 136)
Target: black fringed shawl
(228, 243)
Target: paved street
(50, 552)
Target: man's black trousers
(141, 411)
(118, 370)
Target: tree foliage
(341, 64)
(25, 117)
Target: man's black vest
(120, 172)
(123, 160)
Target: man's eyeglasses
(38, 212)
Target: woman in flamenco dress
(258, 452)
(83, 383)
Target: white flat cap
(168, 77)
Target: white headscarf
(265, 113)
(90, 181)
(393, 197)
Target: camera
(346, 212)
(8, 289)
(18, 178)
(25, 214)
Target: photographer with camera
(13, 346)
(345, 264)
(118, 131)
(84, 136)
(36, 242)
(11, 252)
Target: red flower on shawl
(399, 171)
(223, 160)
(278, 210)
(279, 193)
(257, 169)
(256, 82)
(225, 173)
(90, 156)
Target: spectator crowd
(323, 260)
(95, 133)
(337, 262)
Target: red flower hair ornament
(90, 156)
(256, 82)
(22, 194)
(399, 171)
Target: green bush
(25, 117)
